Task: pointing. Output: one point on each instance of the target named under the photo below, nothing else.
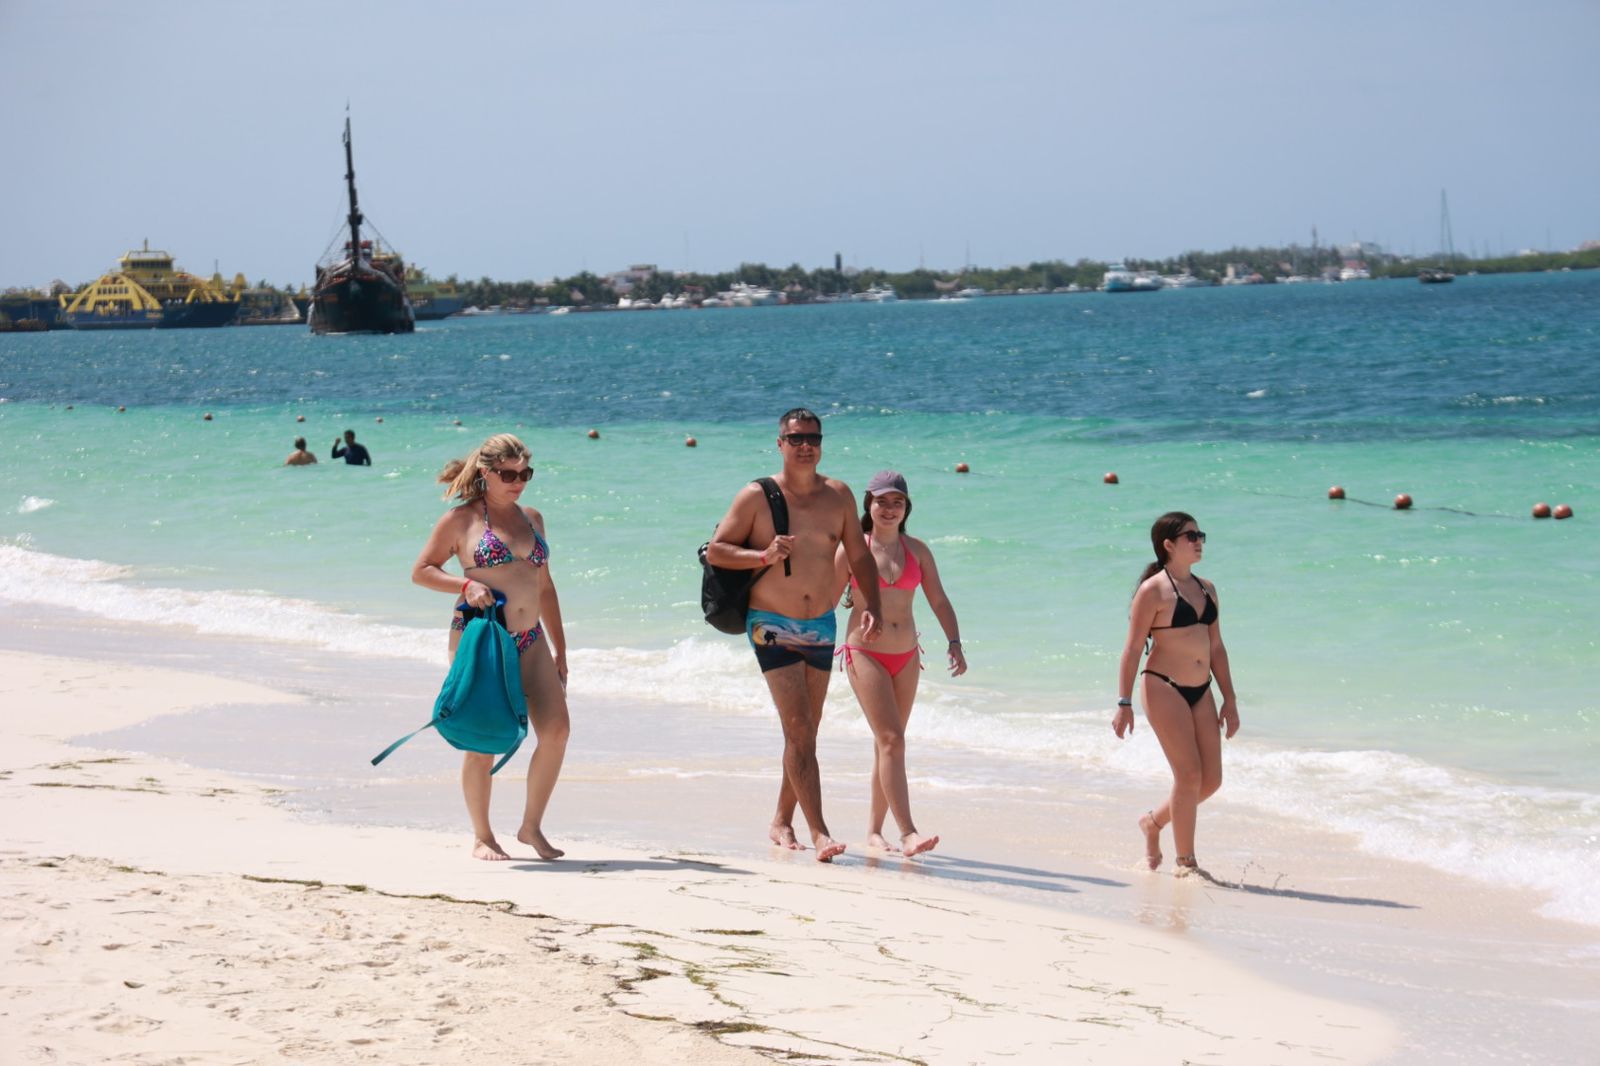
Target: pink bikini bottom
(892, 661)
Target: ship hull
(198, 314)
(432, 308)
(119, 320)
(369, 303)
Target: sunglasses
(1193, 536)
(511, 477)
(795, 440)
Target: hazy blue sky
(525, 140)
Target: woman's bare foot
(535, 840)
(1152, 839)
(489, 850)
(915, 843)
(827, 847)
(783, 836)
(877, 840)
(1187, 865)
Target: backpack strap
(780, 511)
(505, 758)
(386, 752)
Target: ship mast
(355, 211)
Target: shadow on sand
(1295, 893)
(654, 864)
(974, 871)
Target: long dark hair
(866, 513)
(1166, 528)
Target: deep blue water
(1504, 356)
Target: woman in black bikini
(1176, 611)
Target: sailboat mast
(1447, 239)
(355, 211)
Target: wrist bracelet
(464, 585)
(956, 642)
(1124, 701)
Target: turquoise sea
(1423, 679)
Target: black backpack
(725, 594)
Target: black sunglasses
(511, 477)
(795, 440)
(1193, 536)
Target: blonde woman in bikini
(501, 547)
(885, 673)
(1177, 612)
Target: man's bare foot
(876, 840)
(915, 843)
(783, 836)
(827, 847)
(535, 840)
(489, 850)
(1152, 839)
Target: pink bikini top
(910, 574)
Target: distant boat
(362, 290)
(1120, 279)
(147, 291)
(1185, 280)
(1441, 274)
(431, 299)
(877, 294)
(971, 292)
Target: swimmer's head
(299, 444)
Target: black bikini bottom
(1192, 693)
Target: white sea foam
(1395, 805)
(31, 504)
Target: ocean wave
(31, 504)
(1394, 805)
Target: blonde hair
(464, 477)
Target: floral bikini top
(492, 551)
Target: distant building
(623, 281)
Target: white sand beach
(158, 911)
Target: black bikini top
(1183, 614)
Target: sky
(530, 140)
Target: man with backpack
(790, 623)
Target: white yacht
(1185, 280)
(1120, 279)
(743, 295)
(877, 294)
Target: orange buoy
(1336, 493)
(1562, 511)
(962, 468)
(1111, 479)
(207, 416)
(299, 418)
(1541, 510)
(690, 442)
(594, 434)
(1402, 502)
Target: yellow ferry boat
(147, 292)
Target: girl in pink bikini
(884, 675)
